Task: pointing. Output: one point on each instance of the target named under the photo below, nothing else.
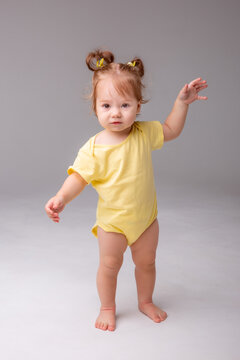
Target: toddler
(117, 162)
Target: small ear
(138, 107)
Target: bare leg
(143, 254)
(111, 249)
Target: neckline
(112, 145)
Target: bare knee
(111, 262)
(145, 261)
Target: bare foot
(153, 312)
(106, 319)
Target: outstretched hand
(189, 93)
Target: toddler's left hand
(189, 93)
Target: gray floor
(48, 296)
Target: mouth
(116, 122)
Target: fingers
(51, 211)
(199, 85)
(202, 97)
(201, 88)
(202, 85)
(56, 219)
(54, 216)
(198, 82)
(194, 82)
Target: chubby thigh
(144, 248)
(112, 246)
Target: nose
(116, 112)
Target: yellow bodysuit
(122, 175)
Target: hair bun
(138, 65)
(98, 54)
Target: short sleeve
(154, 132)
(84, 164)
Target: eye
(105, 106)
(125, 104)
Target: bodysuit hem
(111, 228)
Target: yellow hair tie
(100, 63)
(132, 64)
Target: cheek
(104, 115)
(102, 118)
(133, 113)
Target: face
(115, 113)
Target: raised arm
(175, 121)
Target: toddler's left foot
(153, 312)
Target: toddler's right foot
(106, 319)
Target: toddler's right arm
(71, 188)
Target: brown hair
(126, 78)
